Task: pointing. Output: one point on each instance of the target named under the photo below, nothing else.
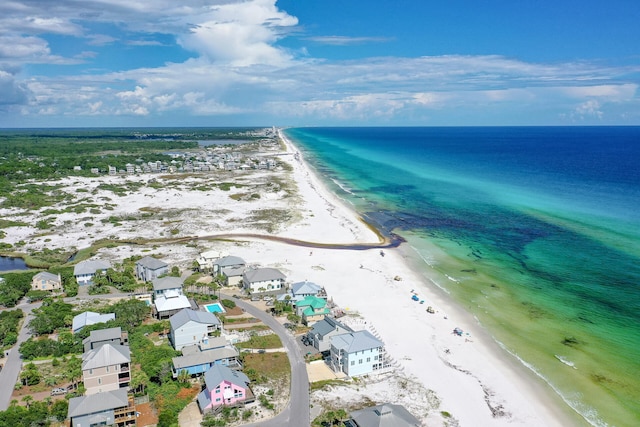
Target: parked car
(58, 391)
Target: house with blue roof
(299, 290)
(357, 353)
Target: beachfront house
(322, 331)
(115, 336)
(110, 408)
(89, 318)
(299, 290)
(167, 284)
(263, 281)
(45, 281)
(85, 271)
(311, 309)
(198, 359)
(172, 302)
(224, 387)
(149, 268)
(106, 368)
(231, 267)
(386, 414)
(356, 353)
(189, 327)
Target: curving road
(297, 412)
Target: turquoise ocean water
(535, 230)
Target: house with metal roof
(231, 267)
(115, 336)
(45, 281)
(110, 408)
(322, 331)
(357, 353)
(90, 318)
(170, 303)
(106, 368)
(189, 327)
(85, 271)
(385, 415)
(299, 290)
(224, 386)
(198, 359)
(165, 284)
(149, 268)
(312, 309)
(264, 281)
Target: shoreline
(534, 391)
(476, 382)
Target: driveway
(297, 412)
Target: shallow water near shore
(532, 230)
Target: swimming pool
(216, 307)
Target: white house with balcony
(189, 327)
(357, 353)
(264, 281)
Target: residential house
(166, 284)
(198, 359)
(172, 302)
(231, 267)
(45, 281)
(115, 336)
(206, 259)
(110, 408)
(265, 281)
(322, 331)
(299, 290)
(90, 318)
(312, 309)
(106, 368)
(357, 353)
(85, 271)
(149, 268)
(189, 327)
(224, 386)
(386, 414)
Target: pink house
(224, 386)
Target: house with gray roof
(90, 318)
(322, 331)
(189, 327)
(106, 368)
(149, 268)
(165, 284)
(100, 337)
(357, 353)
(385, 415)
(45, 281)
(263, 281)
(85, 271)
(224, 387)
(198, 359)
(231, 267)
(300, 290)
(110, 408)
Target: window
(360, 362)
(99, 380)
(107, 369)
(353, 362)
(90, 371)
(368, 359)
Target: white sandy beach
(474, 380)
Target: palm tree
(27, 400)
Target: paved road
(13, 364)
(297, 412)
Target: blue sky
(318, 62)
